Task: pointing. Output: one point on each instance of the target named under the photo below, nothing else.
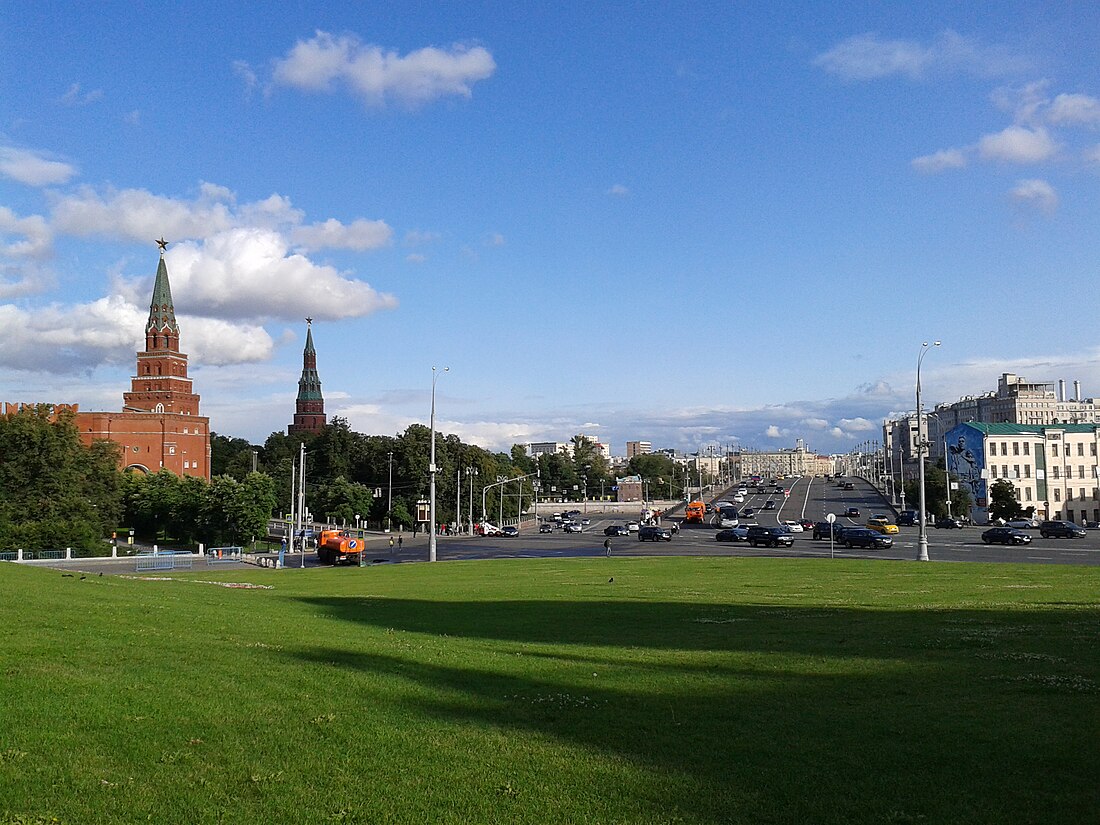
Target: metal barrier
(224, 555)
(51, 554)
(168, 560)
(8, 556)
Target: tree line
(56, 493)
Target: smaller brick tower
(309, 410)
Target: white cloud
(32, 168)
(376, 75)
(73, 96)
(214, 342)
(1018, 144)
(815, 423)
(939, 161)
(856, 425)
(1025, 102)
(247, 75)
(138, 215)
(32, 236)
(869, 57)
(360, 235)
(250, 273)
(1075, 109)
(415, 258)
(1037, 193)
(618, 190)
(773, 432)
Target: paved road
(808, 498)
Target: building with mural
(159, 426)
(1053, 468)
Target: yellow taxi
(882, 525)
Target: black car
(852, 512)
(546, 527)
(822, 529)
(907, 518)
(651, 532)
(863, 537)
(1005, 535)
(769, 505)
(1060, 530)
(769, 536)
(732, 534)
(748, 512)
(509, 532)
(949, 523)
(616, 530)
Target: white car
(572, 527)
(739, 499)
(1023, 523)
(793, 526)
(632, 526)
(728, 522)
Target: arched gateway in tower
(159, 426)
(309, 409)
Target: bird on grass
(611, 580)
(66, 575)
(82, 578)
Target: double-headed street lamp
(431, 473)
(922, 542)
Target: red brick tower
(309, 409)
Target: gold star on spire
(309, 320)
(163, 244)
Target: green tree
(935, 493)
(230, 456)
(54, 491)
(342, 500)
(1002, 500)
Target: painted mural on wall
(966, 459)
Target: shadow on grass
(776, 714)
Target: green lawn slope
(666, 690)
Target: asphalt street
(810, 498)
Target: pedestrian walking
(391, 542)
(400, 540)
(607, 546)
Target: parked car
(1060, 530)
(863, 537)
(1092, 525)
(794, 526)
(511, 531)
(769, 536)
(546, 527)
(852, 512)
(651, 532)
(1005, 535)
(945, 523)
(881, 524)
(632, 526)
(616, 530)
(1023, 523)
(572, 527)
(733, 534)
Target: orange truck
(695, 512)
(337, 546)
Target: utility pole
(389, 498)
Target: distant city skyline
(688, 225)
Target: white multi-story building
(1053, 468)
(550, 448)
(634, 448)
(796, 462)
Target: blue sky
(704, 223)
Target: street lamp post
(431, 473)
(922, 542)
(470, 473)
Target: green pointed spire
(162, 315)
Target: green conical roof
(162, 315)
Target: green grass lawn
(688, 690)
